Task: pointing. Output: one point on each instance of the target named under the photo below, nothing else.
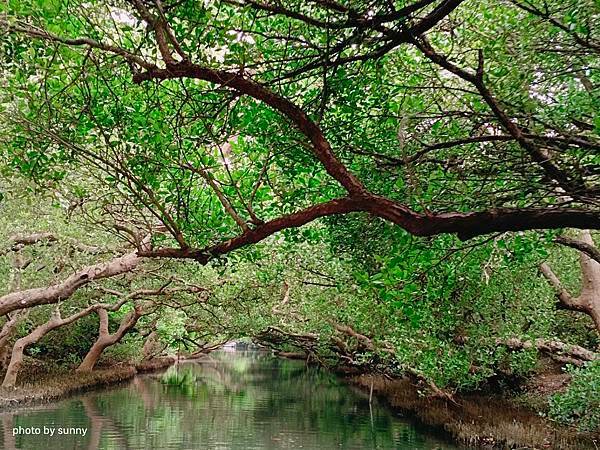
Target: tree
(105, 339)
(228, 130)
(588, 301)
(56, 321)
(371, 139)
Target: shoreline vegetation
(404, 188)
(480, 419)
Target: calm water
(231, 400)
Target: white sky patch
(121, 16)
(242, 37)
(217, 54)
(538, 85)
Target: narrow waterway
(229, 400)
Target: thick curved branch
(61, 291)
(584, 247)
(465, 225)
(235, 80)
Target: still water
(228, 400)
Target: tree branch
(62, 291)
(572, 186)
(566, 300)
(584, 247)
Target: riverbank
(479, 420)
(51, 386)
(487, 421)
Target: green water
(229, 400)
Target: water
(230, 400)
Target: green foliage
(84, 147)
(126, 351)
(69, 344)
(579, 404)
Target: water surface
(229, 400)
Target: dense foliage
(376, 185)
(580, 403)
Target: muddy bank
(477, 420)
(49, 386)
(57, 386)
(155, 364)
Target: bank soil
(485, 421)
(43, 385)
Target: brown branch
(222, 198)
(574, 352)
(547, 17)
(413, 373)
(465, 225)
(393, 39)
(476, 79)
(321, 147)
(21, 240)
(566, 300)
(34, 238)
(589, 249)
(276, 309)
(354, 19)
(588, 300)
(75, 42)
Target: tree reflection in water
(239, 400)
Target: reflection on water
(229, 400)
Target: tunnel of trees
(406, 187)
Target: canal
(227, 400)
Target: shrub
(579, 405)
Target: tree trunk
(14, 366)
(13, 321)
(149, 349)
(595, 313)
(588, 301)
(93, 355)
(7, 332)
(55, 321)
(105, 339)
